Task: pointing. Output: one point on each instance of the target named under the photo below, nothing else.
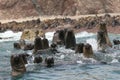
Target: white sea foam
(93, 43)
(84, 34)
(10, 36)
(49, 35)
(114, 61)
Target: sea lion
(101, 41)
(17, 65)
(87, 51)
(58, 37)
(37, 44)
(45, 43)
(24, 57)
(49, 61)
(116, 42)
(17, 45)
(102, 37)
(38, 59)
(28, 46)
(23, 45)
(79, 48)
(70, 40)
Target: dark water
(75, 71)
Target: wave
(13, 36)
(10, 36)
(49, 36)
(93, 43)
(83, 34)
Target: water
(69, 66)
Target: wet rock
(30, 34)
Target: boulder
(31, 34)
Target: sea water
(69, 66)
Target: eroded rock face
(26, 8)
(31, 34)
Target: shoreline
(42, 18)
(110, 29)
(79, 23)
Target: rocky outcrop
(31, 34)
(13, 9)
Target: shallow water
(74, 67)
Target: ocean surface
(69, 66)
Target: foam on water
(93, 43)
(79, 71)
(49, 35)
(84, 34)
(65, 53)
(10, 36)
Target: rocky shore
(88, 23)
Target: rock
(31, 34)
